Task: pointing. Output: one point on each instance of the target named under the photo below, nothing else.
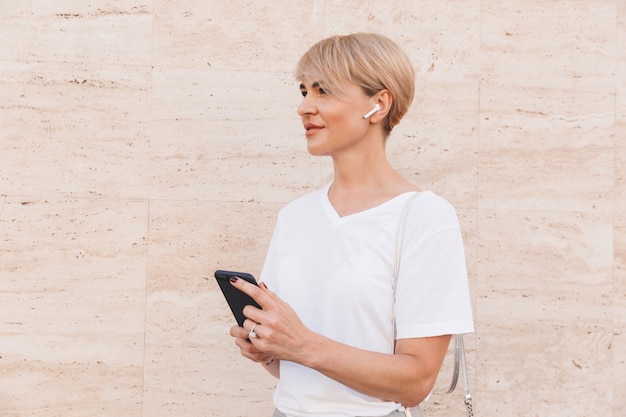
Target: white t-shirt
(337, 274)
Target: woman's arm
(405, 377)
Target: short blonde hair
(370, 60)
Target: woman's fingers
(260, 293)
(245, 346)
(238, 332)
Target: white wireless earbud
(374, 110)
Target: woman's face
(333, 124)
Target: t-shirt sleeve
(432, 293)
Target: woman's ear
(382, 107)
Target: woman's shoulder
(430, 200)
(432, 209)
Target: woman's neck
(363, 184)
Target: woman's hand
(280, 333)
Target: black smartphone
(236, 299)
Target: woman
(342, 337)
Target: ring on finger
(252, 334)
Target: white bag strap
(400, 236)
(459, 362)
(459, 348)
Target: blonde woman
(341, 335)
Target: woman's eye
(318, 91)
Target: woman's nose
(306, 107)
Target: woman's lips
(311, 129)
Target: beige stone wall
(145, 144)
